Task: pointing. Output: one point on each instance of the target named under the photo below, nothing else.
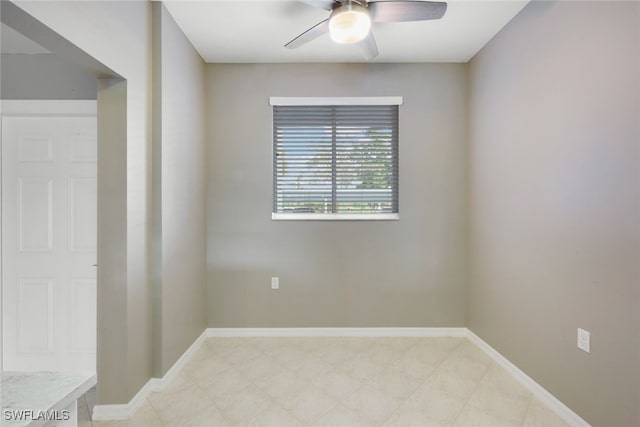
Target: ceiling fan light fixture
(349, 23)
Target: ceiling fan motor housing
(349, 22)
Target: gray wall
(179, 263)
(410, 272)
(151, 221)
(555, 203)
(44, 76)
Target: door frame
(113, 188)
(33, 108)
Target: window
(335, 158)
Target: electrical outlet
(584, 340)
(275, 283)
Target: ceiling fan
(350, 20)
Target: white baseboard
(336, 332)
(527, 382)
(125, 411)
(160, 384)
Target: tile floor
(337, 382)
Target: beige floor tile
(207, 417)
(408, 416)
(121, 423)
(498, 379)
(453, 384)
(363, 367)
(382, 353)
(282, 385)
(202, 352)
(539, 415)
(313, 344)
(265, 344)
(260, 367)
(145, 416)
(337, 384)
(339, 416)
(179, 405)
(399, 344)
(177, 389)
(417, 366)
(224, 385)
(242, 353)
(274, 416)
(312, 367)
(447, 344)
(375, 405)
(507, 408)
(223, 346)
(429, 350)
(178, 382)
(501, 396)
(309, 404)
(468, 350)
(203, 371)
(336, 354)
(395, 382)
(355, 344)
(435, 406)
(244, 405)
(464, 367)
(287, 354)
(425, 352)
(474, 417)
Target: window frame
(312, 101)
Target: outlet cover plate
(584, 340)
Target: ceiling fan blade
(369, 46)
(404, 11)
(320, 4)
(309, 35)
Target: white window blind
(335, 160)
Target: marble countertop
(41, 391)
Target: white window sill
(359, 100)
(334, 217)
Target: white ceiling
(257, 30)
(14, 42)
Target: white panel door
(49, 218)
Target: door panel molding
(35, 311)
(36, 148)
(35, 214)
(36, 153)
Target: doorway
(112, 225)
(49, 198)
